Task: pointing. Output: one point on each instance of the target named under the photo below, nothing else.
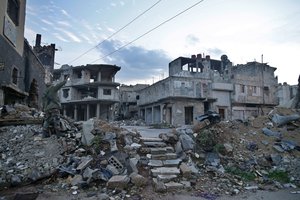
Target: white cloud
(86, 38)
(47, 22)
(113, 4)
(64, 23)
(72, 36)
(69, 34)
(58, 36)
(122, 3)
(64, 12)
(111, 29)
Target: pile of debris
(19, 114)
(225, 158)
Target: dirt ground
(148, 194)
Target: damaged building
(194, 85)
(127, 107)
(91, 91)
(22, 75)
(198, 84)
(255, 88)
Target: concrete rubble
(225, 158)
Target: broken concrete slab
(269, 132)
(155, 163)
(282, 120)
(159, 186)
(138, 179)
(87, 135)
(187, 142)
(85, 162)
(172, 163)
(118, 181)
(166, 178)
(165, 171)
(173, 186)
(185, 170)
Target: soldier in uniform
(52, 106)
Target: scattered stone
(159, 186)
(173, 186)
(166, 178)
(228, 147)
(251, 187)
(87, 136)
(185, 170)
(118, 181)
(138, 179)
(187, 142)
(278, 148)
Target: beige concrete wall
(19, 46)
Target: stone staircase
(167, 170)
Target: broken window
(13, 7)
(242, 89)
(254, 90)
(106, 91)
(66, 93)
(15, 76)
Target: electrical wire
(114, 32)
(149, 31)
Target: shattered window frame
(107, 92)
(14, 76)
(13, 10)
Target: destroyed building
(286, 93)
(254, 89)
(194, 85)
(128, 100)
(21, 72)
(46, 55)
(91, 91)
(198, 84)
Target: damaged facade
(127, 107)
(21, 72)
(196, 85)
(91, 91)
(286, 93)
(254, 90)
(46, 55)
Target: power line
(149, 31)
(115, 32)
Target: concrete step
(172, 163)
(155, 144)
(162, 150)
(166, 178)
(166, 156)
(165, 171)
(155, 163)
(151, 139)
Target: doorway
(188, 115)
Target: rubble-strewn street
(100, 160)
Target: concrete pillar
(98, 111)
(64, 111)
(99, 77)
(87, 112)
(152, 112)
(75, 113)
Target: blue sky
(241, 29)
